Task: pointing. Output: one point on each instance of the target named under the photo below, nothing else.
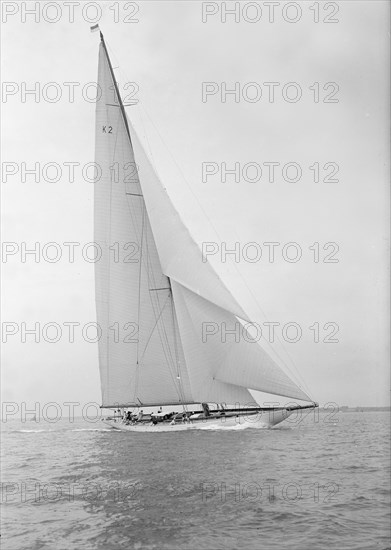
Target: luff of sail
(150, 304)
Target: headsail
(180, 255)
(238, 360)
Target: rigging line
(176, 349)
(133, 211)
(139, 302)
(136, 382)
(163, 288)
(139, 276)
(161, 329)
(171, 361)
(296, 375)
(170, 365)
(133, 217)
(156, 307)
(176, 363)
(153, 329)
(164, 342)
(191, 323)
(144, 262)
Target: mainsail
(153, 291)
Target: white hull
(265, 419)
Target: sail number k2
(107, 129)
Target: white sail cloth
(153, 291)
(233, 358)
(179, 254)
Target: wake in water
(32, 431)
(188, 428)
(61, 429)
(91, 430)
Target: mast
(121, 105)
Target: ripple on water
(314, 485)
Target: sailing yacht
(160, 296)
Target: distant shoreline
(357, 409)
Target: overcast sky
(169, 52)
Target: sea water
(315, 482)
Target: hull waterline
(264, 419)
